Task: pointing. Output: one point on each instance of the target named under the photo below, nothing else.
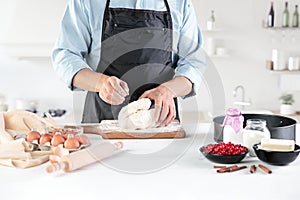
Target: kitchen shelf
(282, 28)
(282, 72)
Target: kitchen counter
(175, 169)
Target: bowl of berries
(225, 153)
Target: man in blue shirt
(122, 50)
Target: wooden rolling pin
(84, 157)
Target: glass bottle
(255, 130)
(211, 22)
(212, 17)
(295, 22)
(286, 16)
(271, 16)
(233, 126)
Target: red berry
(225, 149)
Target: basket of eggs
(69, 138)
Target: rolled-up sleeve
(72, 44)
(191, 63)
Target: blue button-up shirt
(79, 41)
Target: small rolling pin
(84, 157)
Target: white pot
(287, 109)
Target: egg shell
(57, 140)
(83, 139)
(56, 132)
(33, 135)
(69, 133)
(72, 143)
(45, 138)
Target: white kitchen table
(188, 176)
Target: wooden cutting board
(109, 129)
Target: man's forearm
(179, 86)
(89, 80)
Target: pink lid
(234, 118)
(233, 112)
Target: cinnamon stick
(226, 169)
(219, 167)
(252, 169)
(265, 169)
(231, 169)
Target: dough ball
(142, 119)
(137, 115)
(133, 107)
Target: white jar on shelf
(278, 58)
(294, 63)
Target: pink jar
(233, 126)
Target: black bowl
(223, 159)
(276, 157)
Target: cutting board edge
(162, 135)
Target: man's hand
(163, 97)
(113, 90)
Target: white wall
(33, 80)
(250, 46)
(30, 21)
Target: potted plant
(286, 107)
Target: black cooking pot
(280, 127)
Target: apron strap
(167, 5)
(107, 4)
(166, 2)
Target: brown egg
(57, 139)
(72, 142)
(33, 135)
(83, 139)
(69, 133)
(55, 131)
(45, 138)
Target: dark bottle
(271, 16)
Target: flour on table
(113, 125)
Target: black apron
(136, 47)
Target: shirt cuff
(193, 76)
